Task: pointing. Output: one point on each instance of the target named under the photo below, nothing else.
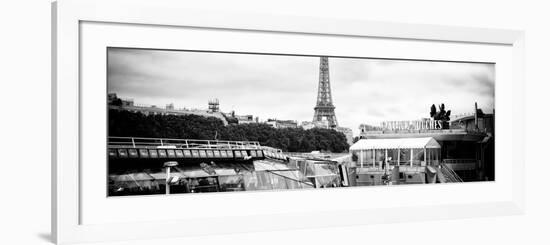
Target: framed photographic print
(176, 122)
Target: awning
(402, 143)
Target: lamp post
(168, 165)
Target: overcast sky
(285, 87)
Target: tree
(433, 111)
(116, 102)
(441, 115)
(135, 124)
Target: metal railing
(450, 175)
(459, 161)
(136, 142)
(455, 131)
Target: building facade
(466, 146)
(282, 123)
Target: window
(259, 180)
(238, 154)
(132, 153)
(230, 154)
(153, 153)
(112, 153)
(122, 153)
(216, 154)
(143, 153)
(392, 153)
(368, 157)
(405, 156)
(171, 153)
(187, 153)
(223, 154)
(231, 183)
(202, 153)
(418, 156)
(206, 184)
(210, 153)
(380, 157)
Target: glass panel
(257, 181)
(181, 186)
(210, 153)
(217, 154)
(355, 158)
(132, 153)
(171, 153)
(206, 184)
(392, 156)
(418, 156)
(292, 179)
(162, 153)
(143, 153)
(327, 181)
(202, 153)
(231, 183)
(223, 154)
(238, 154)
(279, 182)
(187, 153)
(310, 169)
(135, 184)
(326, 169)
(368, 157)
(432, 156)
(112, 152)
(302, 166)
(293, 164)
(405, 156)
(380, 157)
(153, 153)
(122, 153)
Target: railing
(417, 131)
(459, 161)
(461, 164)
(449, 174)
(134, 142)
(459, 131)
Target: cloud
(285, 87)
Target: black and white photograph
(195, 121)
(275, 122)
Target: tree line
(134, 124)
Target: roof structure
(397, 143)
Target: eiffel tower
(324, 108)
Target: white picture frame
(68, 16)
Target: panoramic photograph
(188, 121)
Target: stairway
(447, 175)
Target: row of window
(182, 153)
(259, 180)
